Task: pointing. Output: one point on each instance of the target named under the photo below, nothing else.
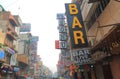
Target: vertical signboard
(57, 44)
(76, 27)
(60, 44)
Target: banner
(76, 27)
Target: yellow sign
(76, 26)
(23, 58)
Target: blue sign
(2, 54)
(16, 69)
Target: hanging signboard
(82, 56)
(60, 44)
(62, 36)
(76, 27)
(62, 29)
(26, 27)
(60, 16)
(57, 44)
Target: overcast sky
(42, 16)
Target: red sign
(57, 44)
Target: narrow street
(82, 42)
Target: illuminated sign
(76, 27)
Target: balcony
(10, 28)
(12, 20)
(11, 35)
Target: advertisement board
(35, 39)
(82, 56)
(26, 27)
(76, 27)
(22, 58)
(60, 16)
(57, 44)
(2, 54)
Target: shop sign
(82, 56)
(61, 22)
(60, 44)
(23, 58)
(16, 69)
(2, 54)
(62, 29)
(9, 50)
(57, 44)
(26, 27)
(63, 36)
(63, 44)
(76, 26)
(115, 44)
(60, 16)
(34, 39)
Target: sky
(42, 16)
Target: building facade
(102, 21)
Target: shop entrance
(107, 72)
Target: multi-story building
(102, 22)
(9, 35)
(65, 56)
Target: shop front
(6, 69)
(23, 64)
(106, 53)
(84, 64)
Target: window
(96, 12)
